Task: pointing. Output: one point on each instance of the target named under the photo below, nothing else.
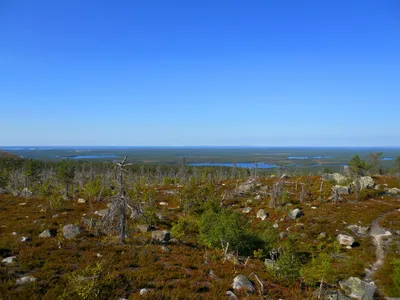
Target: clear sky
(198, 72)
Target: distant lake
(89, 156)
(238, 165)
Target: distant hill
(4, 154)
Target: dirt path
(378, 233)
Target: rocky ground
(50, 253)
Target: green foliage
(396, 275)
(288, 265)
(84, 283)
(317, 270)
(184, 226)
(397, 164)
(33, 169)
(66, 172)
(4, 179)
(225, 226)
(358, 166)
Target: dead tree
(116, 215)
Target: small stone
(54, 216)
(241, 282)
(9, 260)
(161, 235)
(47, 233)
(163, 203)
(322, 236)
(282, 235)
(144, 292)
(165, 249)
(246, 210)
(14, 233)
(143, 227)
(275, 225)
(22, 204)
(81, 201)
(70, 231)
(99, 255)
(261, 214)
(295, 214)
(26, 279)
(345, 240)
(25, 239)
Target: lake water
(238, 165)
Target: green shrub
(225, 226)
(318, 269)
(396, 275)
(184, 226)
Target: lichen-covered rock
(336, 177)
(261, 214)
(70, 231)
(26, 193)
(143, 227)
(295, 214)
(392, 191)
(246, 210)
(241, 282)
(9, 260)
(26, 279)
(161, 235)
(340, 189)
(358, 289)
(47, 233)
(345, 240)
(246, 187)
(365, 182)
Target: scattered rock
(338, 178)
(81, 201)
(362, 230)
(275, 225)
(345, 240)
(340, 189)
(25, 193)
(54, 216)
(246, 187)
(365, 182)
(258, 197)
(231, 296)
(295, 214)
(48, 233)
(165, 249)
(335, 295)
(322, 236)
(269, 263)
(392, 191)
(261, 214)
(358, 289)
(246, 210)
(99, 255)
(22, 204)
(143, 227)
(101, 212)
(26, 239)
(241, 282)
(161, 235)
(144, 292)
(9, 260)
(163, 204)
(282, 235)
(70, 231)
(26, 279)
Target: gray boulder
(295, 214)
(241, 282)
(358, 289)
(261, 214)
(246, 187)
(26, 279)
(9, 260)
(392, 191)
(26, 193)
(336, 177)
(335, 295)
(246, 210)
(365, 182)
(143, 227)
(161, 235)
(70, 231)
(345, 240)
(340, 189)
(47, 233)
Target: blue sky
(270, 73)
